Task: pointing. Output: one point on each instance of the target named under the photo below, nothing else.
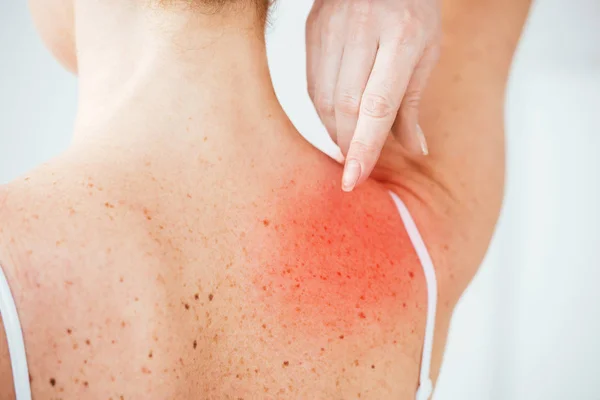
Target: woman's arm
(455, 193)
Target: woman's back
(190, 244)
(211, 279)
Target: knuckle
(361, 12)
(311, 92)
(410, 17)
(310, 22)
(362, 149)
(347, 103)
(324, 104)
(376, 106)
(410, 26)
(411, 99)
(332, 36)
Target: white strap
(425, 389)
(14, 337)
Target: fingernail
(422, 140)
(351, 175)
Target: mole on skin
(333, 261)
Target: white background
(529, 326)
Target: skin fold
(159, 255)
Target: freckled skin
(111, 246)
(160, 288)
(334, 264)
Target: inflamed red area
(335, 262)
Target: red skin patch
(334, 262)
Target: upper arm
(455, 194)
(457, 190)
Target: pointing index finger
(378, 110)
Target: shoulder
(55, 230)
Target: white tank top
(16, 345)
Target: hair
(261, 7)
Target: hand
(368, 62)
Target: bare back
(152, 273)
(131, 283)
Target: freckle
(195, 344)
(136, 299)
(35, 216)
(187, 306)
(108, 205)
(146, 370)
(85, 383)
(189, 196)
(121, 279)
(356, 363)
(52, 381)
(266, 222)
(69, 331)
(286, 363)
(75, 346)
(58, 242)
(196, 296)
(87, 341)
(122, 324)
(210, 297)
(205, 138)
(341, 336)
(372, 366)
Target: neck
(175, 73)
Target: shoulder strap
(14, 336)
(425, 389)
